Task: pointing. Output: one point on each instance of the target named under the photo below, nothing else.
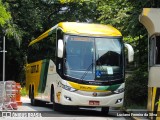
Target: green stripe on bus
(43, 76)
(110, 88)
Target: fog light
(68, 98)
(119, 101)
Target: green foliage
(74, 1)
(30, 19)
(122, 14)
(23, 91)
(136, 87)
(4, 14)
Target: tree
(4, 14)
(124, 15)
(13, 38)
(30, 19)
(4, 18)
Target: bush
(136, 89)
(23, 91)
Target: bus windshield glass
(93, 58)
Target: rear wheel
(32, 98)
(30, 91)
(105, 110)
(33, 101)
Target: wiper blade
(89, 67)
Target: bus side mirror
(130, 52)
(60, 48)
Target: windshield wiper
(89, 67)
(87, 70)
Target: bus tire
(30, 91)
(33, 101)
(55, 105)
(105, 110)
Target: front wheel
(105, 110)
(55, 105)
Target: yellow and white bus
(82, 64)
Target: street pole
(4, 50)
(4, 90)
(4, 58)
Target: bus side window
(44, 49)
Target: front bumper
(72, 98)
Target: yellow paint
(44, 35)
(33, 75)
(82, 87)
(149, 105)
(89, 29)
(158, 114)
(153, 97)
(146, 11)
(38, 39)
(58, 96)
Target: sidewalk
(25, 99)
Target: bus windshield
(93, 58)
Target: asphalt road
(48, 112)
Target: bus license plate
(93, 102)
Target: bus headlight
(119, 90)
(68, 88)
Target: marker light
(120, 90)
(68, 88)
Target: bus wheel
(29, 91)
(55, 105)
(33, 101)
(105, 110)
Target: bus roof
(88, 29)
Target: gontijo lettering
(35, 69)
